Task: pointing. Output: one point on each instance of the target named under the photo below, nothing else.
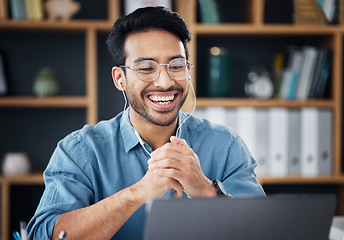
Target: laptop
(296, 217)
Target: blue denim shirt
(97, 161)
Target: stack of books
(341, 12)
(330, 9)
(308, 12)
(284, 142)
(27, 10)
(209, 11)
(301, 73)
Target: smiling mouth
(162, 100)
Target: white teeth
(162, 100)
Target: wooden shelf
(264, 29)
(5, 185)
(302, 180)
(244, 102)
(37, 178)
(201, 29)
(44, 101)
(28, 179)
(72, 25)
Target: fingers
(157, 186)
(170, 183)
(178, 162)
(175, 160)
(174, 150)
(178, 141)
(172, 160)
(170, 173)
(177, 188)
(164, 163)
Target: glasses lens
(147, 70)
(178, 68)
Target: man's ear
(118, 78)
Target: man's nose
(164, 80)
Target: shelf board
(37, 178)
(71, 25)
(202, 29)
(33, 178)
(44, 101)
(245, 102)
(302, 180)
(265, 29)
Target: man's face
(159, 101)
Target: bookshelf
(89, 101)
(83, 101)
(251, 27)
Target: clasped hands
(179, 169)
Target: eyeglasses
(149, 70)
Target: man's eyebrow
(174, 57)
(139, 59)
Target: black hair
(141, 20)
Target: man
(100, 177)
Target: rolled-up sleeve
(239, 176)
(67, 187)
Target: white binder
(278, 142)
(325, 142)
(217, 115)
(199, 113)
(231, 119)
(261, 141)
(294, 142)
(316, 142)
(246, 127)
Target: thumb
(178, 141)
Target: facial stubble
(139, 107)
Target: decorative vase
(259, 83)
(16, 163)
(219, 73)
(61, 9)
(45, 83)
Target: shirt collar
(181, 120)
(129, 138)
(128, 133)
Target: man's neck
(154, 135)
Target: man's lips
(162, 98)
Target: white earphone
(120, 82)
(136, 133)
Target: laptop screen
(269, 218)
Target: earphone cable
(193, 109)
(136, 133)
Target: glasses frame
(190, 66)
